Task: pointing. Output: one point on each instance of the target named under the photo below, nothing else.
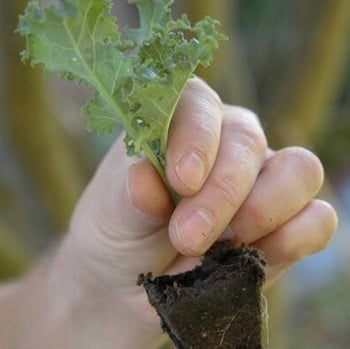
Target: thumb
(121, 219)
(126, 198)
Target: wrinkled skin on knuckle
(227, 189)
(197, 88)
(244, 115)
(247, 114)
(197, 120)
(260, 218)
(207, 133)
(249, 132)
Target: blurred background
(288, 60)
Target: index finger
(194, 138)
(200, 219)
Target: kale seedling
(139, 80)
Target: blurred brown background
(289, 60)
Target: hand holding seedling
(215, 157)
(125, 223)
(218, 161)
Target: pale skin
(84, 293)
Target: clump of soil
(215, 305)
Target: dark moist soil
(215, 305)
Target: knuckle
(200, 88)
(309, 167)
(207, 135)
(227, 190)
(250, 133)
(255, 139)
(248, 114)
(262, 222)
(248, 118)
(203, 112)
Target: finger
(308, 232)
(148, 193)
(126, 197)
(287, 182)
(194, 137)
(122, 218)
(199, 219)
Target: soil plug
(217, 304)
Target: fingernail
(191, 170)
(194, 230)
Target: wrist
(91, 313)
(61, 304)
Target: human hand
(219, 162)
